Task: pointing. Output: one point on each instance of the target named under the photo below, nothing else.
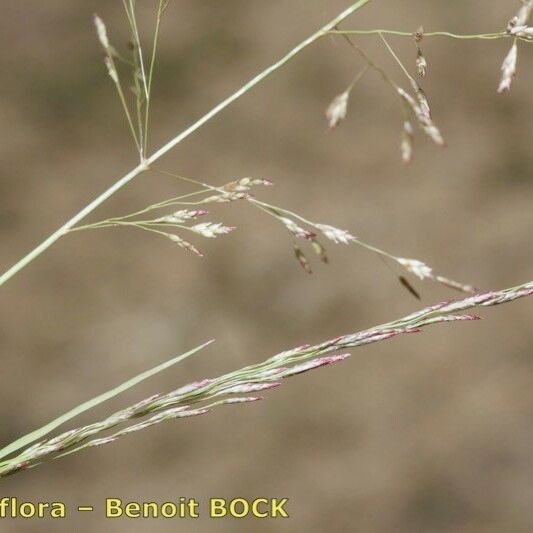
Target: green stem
(488, 36)
(126, 111)
(151, 73)
(36, 252)
(135, 31)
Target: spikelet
(302, 259)
(101, 32)
(518, 27)
(407, 142)
(424, 121)
(525, 32)
(422, 99)
(409, 287)
(211, 229)
(416, 267)
(111, 70)
(296, 230)
(320, 250)
(337, 109)
(182, 243)
(508, 69)
(227, 197)
(245, 184)
(524, 13)
(183, 215)
(419, 35)
(421, 63)
(338, 236)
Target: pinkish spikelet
(211, 229)
(294, 351)
(338, 236)
(243, 399)
(508, 69)
(191, 387)
(185, 414)
(315, 363)
(264, 374)
(182, 243)
(295, 229)
(251, 387)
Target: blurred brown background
(431, 432)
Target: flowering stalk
(201, 396)
(145, 164)
(294, 223)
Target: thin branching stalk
(482, 36)
(141, 167)
(160, 9)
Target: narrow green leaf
(41, 432)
